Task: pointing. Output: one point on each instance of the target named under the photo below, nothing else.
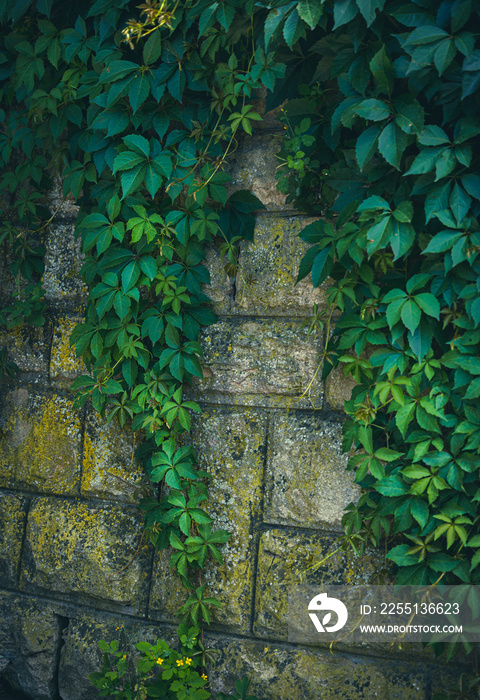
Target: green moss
(40, 445)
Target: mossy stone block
(30, 637)
(12, 524)
(109, 470)
(265, 282)
(253, 167)
(83, 551)
(63, 260)
(262, 362)
(338, 389)
(279, 672)
(230, 445)
(64, 363)
(288, 558)
(40, 444)
(307, 481)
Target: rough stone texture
(40, 446)
(265, 282)
(265, 362)
(109, 470)
(281, 673)
(27, 347)
(307, 481)
(230, 444)
(253, 167)
(338, 389)
(30, 635)
(13, 510)
(289, 558)
(64, 364)
(79, 549)
(60, 206)
(63, 260)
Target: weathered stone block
(109, 470)
(221, 288)
(338, 389)
(261, 362)
(27, 347)
(288, 558)
(40, 446)
(253, 167)
(64, 364)
(285, 673)
(83, 551)
(307, 481)
(265, 282)
(230, 445)
(30, 636)
(63, 260)
(62, 207)
(12, 524)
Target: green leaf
(391, 486)
(152, 48)
(344, 11)
(410, 315)
(373, 110)
(391, 143)
(368, 9)
(366, 146)
(310, 11)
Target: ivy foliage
(382, 142)
(138, 108)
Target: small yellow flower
(179, 662)
(159, 662)
(124, 656)
(204, 676)
(188, 661)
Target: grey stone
(307, 481)
(230, 446)
(290, 558)
(63, 260)
(40, 443)
(263, 362)
(84, 553)
(268, 270)
(253, 167)
(109, 469)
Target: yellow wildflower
(159, 662)
(204, 676)
(179, 662)
(124, 656)
(188, 661)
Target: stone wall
(270, 437)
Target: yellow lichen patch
(109, 468)
(81, 548)
(12, 515)
(64, 363)
(40, 446)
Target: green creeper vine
(138, 108)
